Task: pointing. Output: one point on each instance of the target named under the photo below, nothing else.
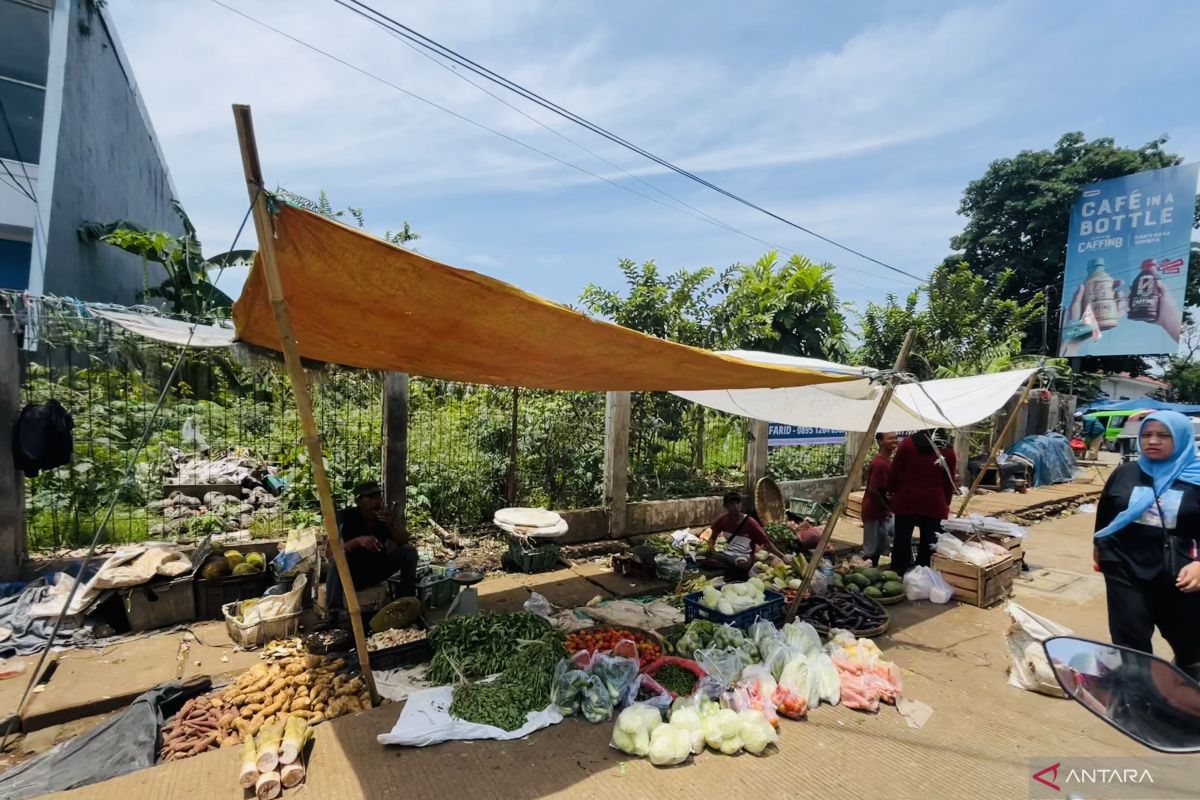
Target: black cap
(368, 489)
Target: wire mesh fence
(806, 461)
(679, 449)
(219, 409)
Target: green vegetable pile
(676, 679)
(480, 645)
(702, 635)
(522, 687)
(870, 581)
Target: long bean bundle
(479, 645)
(524, 686)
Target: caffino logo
(1049, 776)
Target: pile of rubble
(216, 512)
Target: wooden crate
(1011, 543)
(979, 586)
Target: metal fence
(461, 463)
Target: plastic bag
(595, 703)
(617, 673)
(802, 636)
(797, 676)
(723, 732)
(569, 682)
(652, 694)
(752, 698)
(631, 734)
(539, 606)
(918, 583)
(941, 592)
(1029, 668)
(789, 703)
(688, 718)
(763, 632)
(819, 583)
(669, 745)
(724, 666)
(825, 676)
(757, 732)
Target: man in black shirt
(376, 548)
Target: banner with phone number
(1126, 266)
(779, 435)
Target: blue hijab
(1183, 465)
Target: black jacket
(1157, 544)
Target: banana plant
(188, 289)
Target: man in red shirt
(875, 508)
(920, 485)
(745, 537)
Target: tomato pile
(606, 638)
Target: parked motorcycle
(1144, 697)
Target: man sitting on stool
(376, 548)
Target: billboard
(779, 435)
(1126, 269)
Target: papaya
(887, 575)
(892, 588)
(873, 591)
(854, 587)
(858, 579)
(234, 558)
(244, 569)
(873, 574)
(837, 580)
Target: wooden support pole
(860, 456)
(395, 445)
(999, 442)
(617, 413)
(756, 459)
(512, 448)
(312, 438)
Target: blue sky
(862, 121)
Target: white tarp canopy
(849, 406)
(163, 329)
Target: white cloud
(484, 262)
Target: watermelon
(892, 588)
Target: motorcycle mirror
(1146, 698)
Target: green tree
(324, 207)
(188, 290)
(1181, 371)
(789, 308)
(1018, 216)
(965, 324)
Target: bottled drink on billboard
(1100, 294)
(1143, 295)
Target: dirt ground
(981, 741)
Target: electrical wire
(32, 193)
(35, 675)
(382, 20)
(706, 218)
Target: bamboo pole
(852, 478)
(1008, 425)
(312, 438)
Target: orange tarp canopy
(359, 301)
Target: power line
(705, 218)
(32, 193)
(382, 20)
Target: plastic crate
(213, 595)
(433, 592)
(402, 655)
(771, 610)
(159, 605)
(533, 559)
(255, 634)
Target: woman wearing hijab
(1147, 532)
(920, 488)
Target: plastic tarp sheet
(425, 720)
(849, 406)
(126, 743)
(1051, 456)
(170, 331)
(359, 301)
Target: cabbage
(634, 725)
(669, 745)
(725, 608)
(689, 720)
(723, 731)
(825, 677)
(711, 598)
(756, 733)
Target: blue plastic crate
(771, 610)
